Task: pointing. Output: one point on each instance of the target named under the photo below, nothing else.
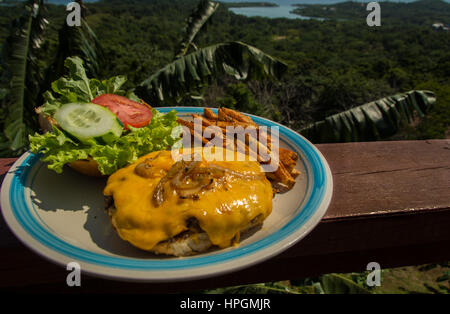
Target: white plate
(62, 218)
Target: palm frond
(192, 72)
(20, 63)
(340, 284)
(372, 121)
(194, 24)
(78, 41)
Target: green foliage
(444, 277)
(76, 41)
(372, 121)
(260, 288)
(326, 284)
(194, 24)
(194, 71)
(437, 122)
(22, 62)
(23, 74)
(249, 4)
(430, 278)
(238, 96)
(333, 65)
(187, 75)
(338, 284)
(392, 12)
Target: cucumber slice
(87, 121)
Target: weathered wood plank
(379, 178)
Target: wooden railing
(391, 205)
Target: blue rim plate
(65, 236)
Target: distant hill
(248, 4)
(419, 12)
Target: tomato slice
(129, 112)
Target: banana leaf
(338, 284)
(195, 22)
(193, 71)
(78, 41)
(22, 72)
(372, 121)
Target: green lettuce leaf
(58, 149)
(77, 87)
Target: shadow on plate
(105, 237)
(74, 192)
(69, 191)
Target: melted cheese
(221, 212)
